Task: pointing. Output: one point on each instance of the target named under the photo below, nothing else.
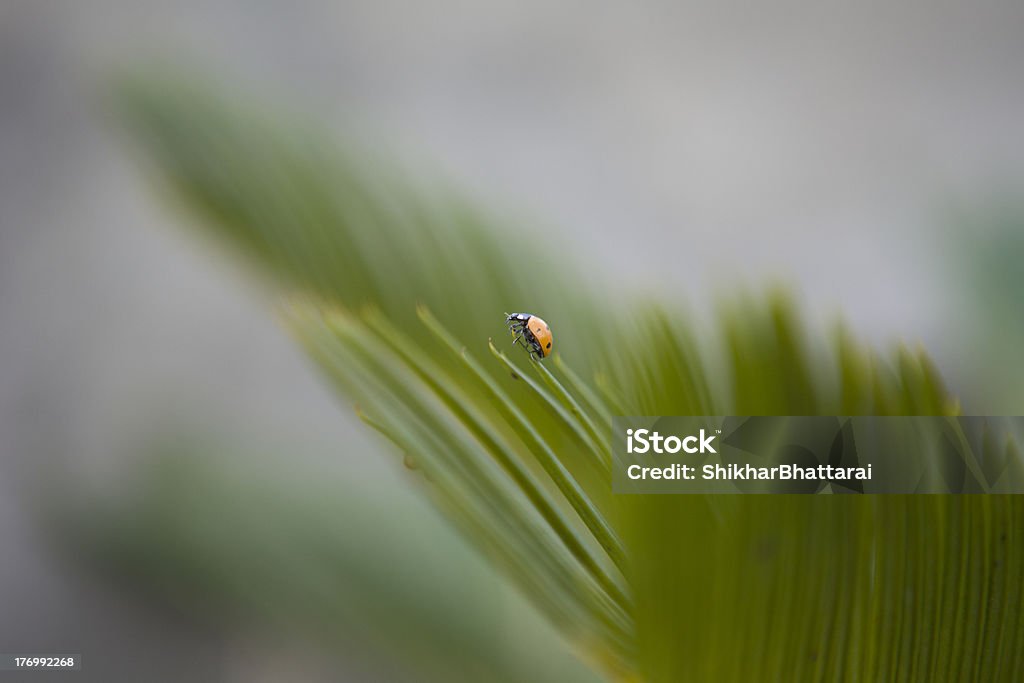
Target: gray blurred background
(686, 149)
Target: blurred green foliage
(218, 530)
(397, 289)
(987, 262)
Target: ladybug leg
(524, 341)
(518, 329)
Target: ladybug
(533, 332)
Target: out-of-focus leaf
(987, 276)
(380, 581)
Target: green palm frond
(400, 291)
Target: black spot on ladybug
(549, 345)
